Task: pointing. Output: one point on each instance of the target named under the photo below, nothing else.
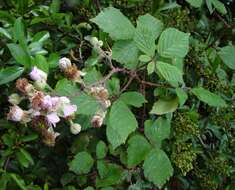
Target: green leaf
(121, 123)
(55, 6)
(24, 158)
(163, 106)
(112, 175)
(5, 33)
(182, 95)
(138, 148)
(147, 31)
(125, 52)
(173, 43)
(87, 104)
(157, 167)
(21, 56)
(101, 150)
(19, 33)
(219, 6)
(20, 182)
(208, 97)
(195, 3)
(53, 60)
(41, 62)
(170, 72)
(133, 98)
(227, 55)
(66, 87)
(151, 67)
(112, 21)
(157, 131)
(10, 73)
(82, 163)
(144, 58)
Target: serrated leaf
(147, 31)
(182, 95)
(82, 163)
(170, 72)
(125, 52)
(101, 150)
(157, 167)
(227, 54)
(87, 105)
(121, 123)
(112, 21)
(66, 87)
(163, 106)
(208, 97)
(144, 58)
(151, 67)
(195, 3)
(157, 131)
(10, 73)
(138, 148)
(133, 98)
(173, 43)
(113, 175)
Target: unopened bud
(40, 85)
(14, 99)
(75, 128)
(97, 121)
(64, 63)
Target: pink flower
(69, 110)
(52, 118)
(38, 75)
(16, 113)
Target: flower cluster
(43, 108)
(99, 91)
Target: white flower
(69, 110)
(14, 99)
(52, 118)
(38, 75)
(75, 128)
(64, 63)
(16, 113)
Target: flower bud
(15, 114)
(75, 128)
(64, 63)
(38, 75)
(40, 85)
(14, 99)
(97, 121)
(94, 41)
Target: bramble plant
(94, 99)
